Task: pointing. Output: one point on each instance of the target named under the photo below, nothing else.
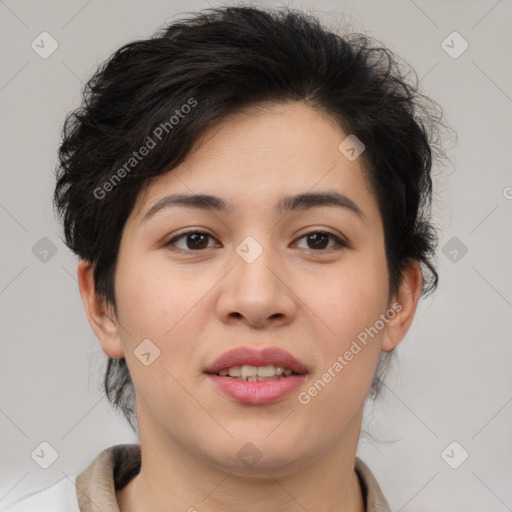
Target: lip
(263, 392)
(257, 393)
(247, 356)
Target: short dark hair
(227, 59)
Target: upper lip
(247, 356)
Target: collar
(114, 467)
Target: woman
(248, 194)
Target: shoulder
(57, 497)
(372, 493)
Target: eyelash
(339, 242)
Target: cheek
(167, 307)
(348, 349)
(349, 301)
(161, 306)
(348, 353)
(155, 302)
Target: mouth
(250, 373)
(257, 377)
(245, 363)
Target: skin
(195, 305)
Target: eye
(320, 238)
(198, 240)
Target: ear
(404, 304)
(101, 317)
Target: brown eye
(194, 240)
(318, 240)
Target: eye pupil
(315, 238)
(194, 237)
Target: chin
(259, 455)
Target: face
(310, 280)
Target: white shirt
(58, 497)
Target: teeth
(235, 371)
(256, 373)
(249, 371)
(266, 371)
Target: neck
(171, 478)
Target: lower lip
(264, 392)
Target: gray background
(452, 379)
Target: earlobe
(101, 319)
(404, 304)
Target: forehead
(257, 157)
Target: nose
(257, 292)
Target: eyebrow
(287, 204)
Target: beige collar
(114, 467)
